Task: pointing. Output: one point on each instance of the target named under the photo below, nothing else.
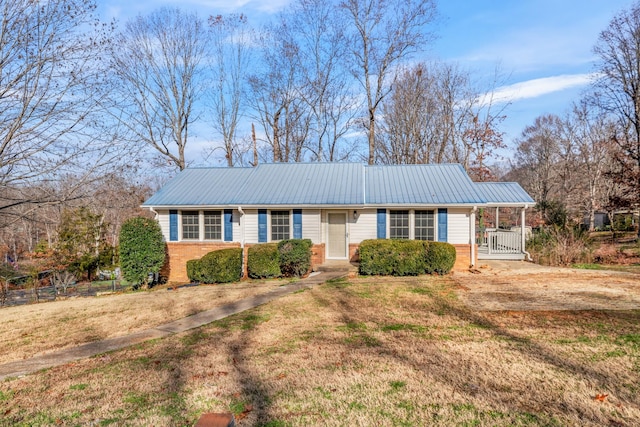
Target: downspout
(472, 235)
(241, 212)
(155, 214)
(522, 236)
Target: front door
(337, 235)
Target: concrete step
(337, 266)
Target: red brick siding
(178, 253)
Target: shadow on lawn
(440, 365)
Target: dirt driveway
(522, 286)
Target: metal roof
(504, 193)
(432, 184)
(333, 184)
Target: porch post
(497, 217)
(522, 233)
(472, 235)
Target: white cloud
(538, 87)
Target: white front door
(337, 235)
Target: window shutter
(297, 224)
(262, 225)
(228, 225)
(382, 223)
(442, 225)
(173, 226)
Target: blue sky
(541, 47)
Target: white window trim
(412, 222)
(270, 229)
(200, 226)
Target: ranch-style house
(336, 206)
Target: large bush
(392, 257)
(142, 250)
(193, 270)
(222, 266)
(440, 257)
(405, 257)
(295, 257)
(263, 261)
(560, 246)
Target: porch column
(522, 233)
(472, 235)
(497, 217)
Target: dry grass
(365, 352)
(28, 330)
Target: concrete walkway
(60, 357)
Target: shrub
(393, 257)
(295, 257)
(142, 250)
(222, 266)
(439, 257)
(561, 246)
(263, 261)
(193, 270)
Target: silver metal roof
(333, 184)
(504, 193)
(433, 184)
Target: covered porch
(500, 229)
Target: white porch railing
(501, 242)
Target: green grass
(588, 266)
(78, 386)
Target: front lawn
(363, 352)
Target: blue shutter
(442, 225)
(382, 223)
(228, 225)
(173, 226)
(297, 224)
(262, 225)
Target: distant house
(336, 205)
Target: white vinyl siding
(458, 226)
(364, 227)
(250, 221)
(311, 226)
(163, 220)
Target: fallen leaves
(600, 397)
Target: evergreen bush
(222, 266)
(193, 270)
(263, 261)
(142, 250)
(384, 257)
(439, 257)
(295, 257)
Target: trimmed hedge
(193, 270)
(385, 257)
(222, 266)
(263, 261)
(440, 258)
(295, 257)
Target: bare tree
(592, 132)
(538, 155)
(319, 31)
(277, 95)
(618, 91)
(231, 55)
(382, 33)
(50, 116)
(157, 63)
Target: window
(425, 229)
(279, 225)
(190, 225)
(399, 224)
(213, 225)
